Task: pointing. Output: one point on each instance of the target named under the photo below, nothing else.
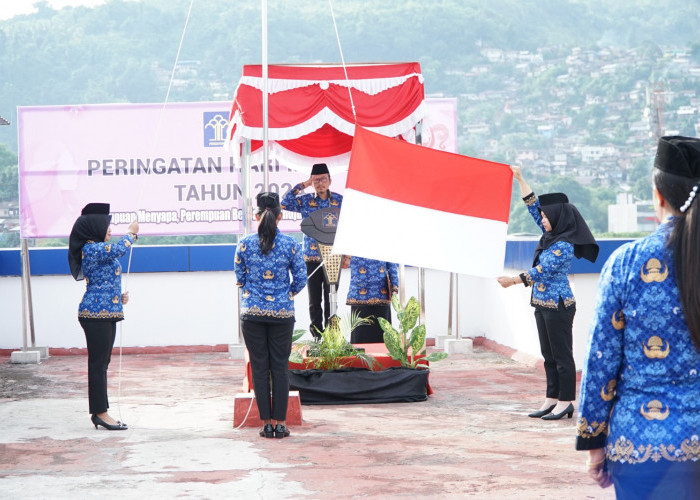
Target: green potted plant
(407, 345)
(333, 351)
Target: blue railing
(191, 258)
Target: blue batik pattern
(267, 290)
(103, 279)
(368, 281)
(640, 391)
(306, 204)
(549, 278)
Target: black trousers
(99, 336)
(315, 286)
(554, 327)
(372, 333)
(269, 345)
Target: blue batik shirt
(103, 279)
(372, 282)
(267, 290)
(306, 204)
(640, 390)
(549, 278)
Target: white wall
(200, 308)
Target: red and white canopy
(310, 112)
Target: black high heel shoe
(281, 431)
(568, 411)
(267, 431)
(110, 427)
(542, 413)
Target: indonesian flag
(418, 206)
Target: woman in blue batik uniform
(565, 236)
(372, 283)
(91, 256)
(263, 265)
(639, 416)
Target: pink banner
(440, 124)
(439, 129)
(164, 165)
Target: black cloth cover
(321, 225)
(359, 385)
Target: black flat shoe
(542, 413)
(267, 431)
(110, 427)
(281, 431)
(568, 411)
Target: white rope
(250, 406)
(342, 59)
(119, 376)
(143, 185)
(121, 342)
(323, 263)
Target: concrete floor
(471, 439)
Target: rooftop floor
(471, 439)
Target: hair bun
(267, 200)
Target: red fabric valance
(310, 111)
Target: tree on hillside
(8, 175)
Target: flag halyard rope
(342, 60)
(143, 185)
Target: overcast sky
(11, 8)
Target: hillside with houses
(574, 91)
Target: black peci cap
(679, 155)
(319, 168)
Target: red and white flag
(418, 206)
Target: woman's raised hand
(517, 171)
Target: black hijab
(92, 225)
(567, 225)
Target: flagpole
(421, 270)
(264, 95)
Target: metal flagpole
(245, 162)
(449, 304)
(27, 306)
(457, 334)
(24, 298)
(421, 270)
(247, 218)
(264, 96)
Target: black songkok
(679, 155)
(319, 168)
